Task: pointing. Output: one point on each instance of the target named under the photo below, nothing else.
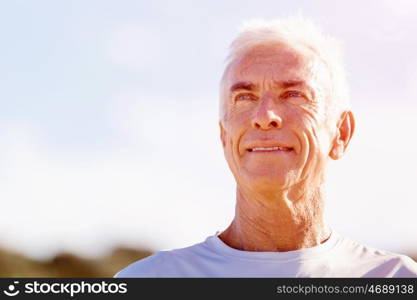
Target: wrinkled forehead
(276, 63)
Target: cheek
(233, 132)
(240, 111)
(317, 137)
(237, 121)
(236, 124)
(309, 125)
(302, 118)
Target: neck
(282, 221)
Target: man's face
(274, 129)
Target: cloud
(161, 193)
(134, 46)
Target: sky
(109, 133)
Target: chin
(267, 181)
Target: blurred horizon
(109, 134)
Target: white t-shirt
(337, 257)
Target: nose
(266, 116)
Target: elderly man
(284, 115)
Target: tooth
(267, 148)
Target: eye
(243, 97)
(293, 94)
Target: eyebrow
(291, 83)
(243, 85)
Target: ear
(345, 130)
(222, 134)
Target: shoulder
(395, 265)
(378, 263)
(146, 267)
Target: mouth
(270, 149)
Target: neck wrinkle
(279, 223)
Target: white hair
(294, 31)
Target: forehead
(276, 63)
